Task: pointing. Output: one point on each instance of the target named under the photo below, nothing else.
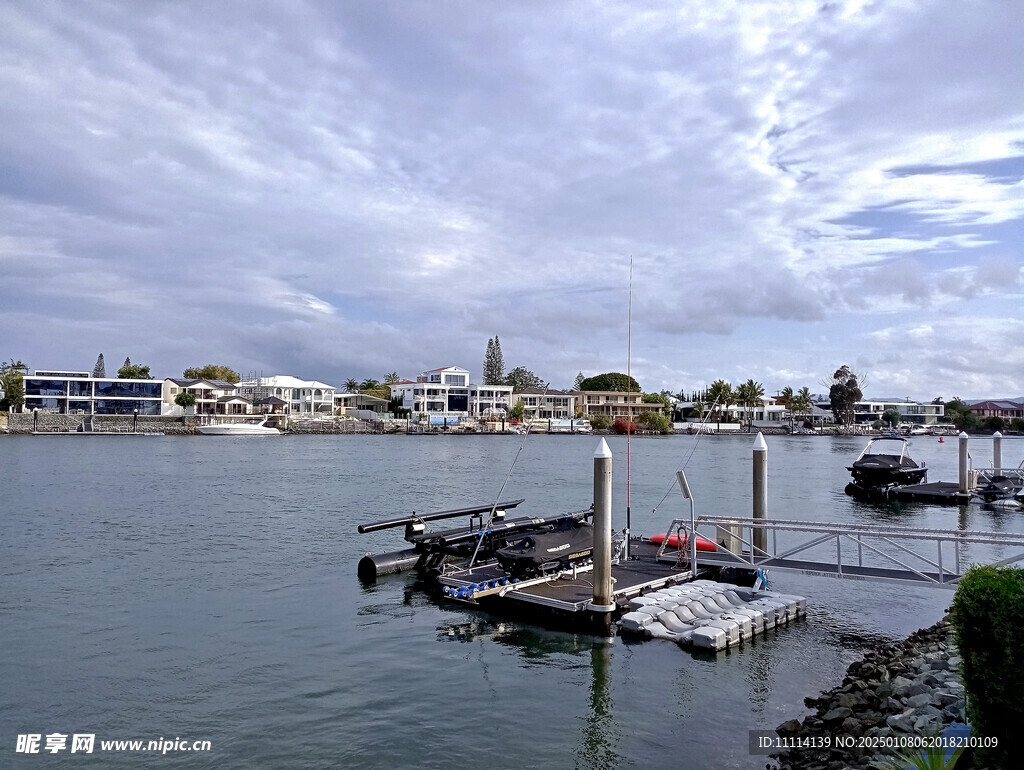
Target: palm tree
(351, 385)
(803, 403)
(749, 395)
(785, 398)
(720, 395)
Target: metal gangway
(851, 551)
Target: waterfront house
(69, 392)
(614, 403)
(302, 396)
(545, 404)
(870, 410)
(212, 396)
(362, 406)
(1005, 408)
(446, 395)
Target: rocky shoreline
(910, 688)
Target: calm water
(205, 588)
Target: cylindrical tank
(373, 565)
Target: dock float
(706, 615)
(940, 492)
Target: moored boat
(884, 462)
(248, 428)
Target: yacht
(256, 427)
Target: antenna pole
(629, 403)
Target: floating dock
(707, 615)
(939, 492)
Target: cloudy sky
(344, 189)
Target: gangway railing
(895, 553)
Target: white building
(212, 396)
(302, 396)
(546, 405)
(446, 394)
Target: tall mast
(629, 380)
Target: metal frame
(928, 569)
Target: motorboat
(884, 462)
(998, 488)
(248, 428)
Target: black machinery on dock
(883, 466)
(487, 533)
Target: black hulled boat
(885, 463)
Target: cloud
(412, 179)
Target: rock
(943, 699)
(939, 665)
(894, 705)
(925, 723)
(954, 662)
(786, 728)
(900, 685)
(852, 726)
(837, 715)
(871, 718)
(917, 688)
(902, 723)
(850, 700)
(919, 700)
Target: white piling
(964, 482)
(997, 450)
(602, 601)
(760, 504)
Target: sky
(338, 190)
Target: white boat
(257, 427)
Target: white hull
(238, 429)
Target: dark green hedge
(988, 615)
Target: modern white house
(447, 395)
(871, 409)
(68, 392)
(545, 405)
(302, 396)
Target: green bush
(655, 421)
(988, 615)
(600, 421)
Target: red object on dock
(941, 440)
(703, 544)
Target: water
(205, 589)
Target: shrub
(600, 422)
(988, 615)
(622, 425)
(655, 421)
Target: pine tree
(494, 363)
(100, 369)
(488, 360)
(127, 362)
(576, 384)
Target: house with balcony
(212, 396)
(447, 395)
(551, 404)
(614, 403)
(870, 410)
(303, 397)
(68, 392)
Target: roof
(225, 399)
(541, 391)
(284, 381)
(272, 401)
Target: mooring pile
(709, 616)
